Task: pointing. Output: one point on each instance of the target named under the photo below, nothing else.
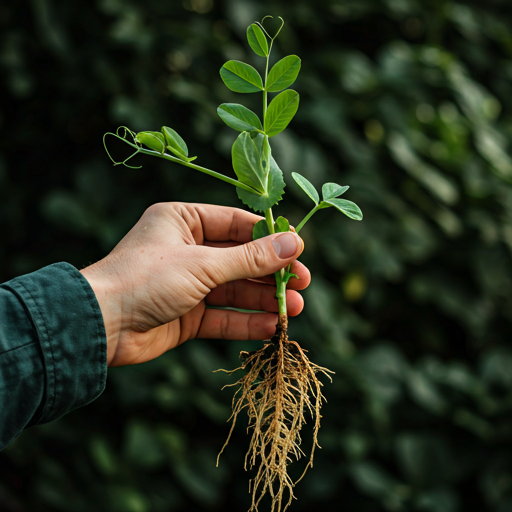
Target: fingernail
(286, 245)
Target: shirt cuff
(71, 333)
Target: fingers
(222, 223)
(245, 294)
(254, 259)
(232, 325)
(300, 270)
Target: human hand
(154, 286)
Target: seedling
(279, 387)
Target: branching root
(279, 389)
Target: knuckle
(256, 258)
(159, 209)
(225, 327)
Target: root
(279, 388)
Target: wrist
(108, 300)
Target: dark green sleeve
(53, 350)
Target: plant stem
(265, 89)
(204, 170)
(306, 218)
(279, 275)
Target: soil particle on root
(279, 389)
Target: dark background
(408, 102)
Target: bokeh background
(407, 101)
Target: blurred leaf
(141, 447)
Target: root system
(279, 389)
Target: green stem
(270, 221)
(306, 218)
(281, 297)
(204, 170)
(279, 275)
(265, 85)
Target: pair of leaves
(279, 114)
(241, 77)
(281, 225)
(165, 139)
(330, 194)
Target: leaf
(251, 160)
(260, 229)
(281, 225)
(153, 140)
(307, 186)
(257, 40)
(283, 74)
(240, 77)
(174, 142)
(275, 191)
(349, 208)
(239, 117)
(330, 190)
(281, 111)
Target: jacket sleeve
(53, 349)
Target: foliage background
(407, 101)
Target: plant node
(279, 389)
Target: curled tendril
(123, 137)
(261, 26)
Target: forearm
(52, 348)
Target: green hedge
(407, 102)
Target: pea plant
(279, 387)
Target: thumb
(256, 259)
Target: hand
(154, 286)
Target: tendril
(123, 137)
(260, 24)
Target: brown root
(279, 388)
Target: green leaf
(330, 190)
(257, 40)
(275, 191)
(260, 229)
(174, 142)
(349, 208)
(239, 117)
(281, 111)
(251, 160)
(153, 140)
(281, 225)
(283, 74)
(307, 186)
(240, 77)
